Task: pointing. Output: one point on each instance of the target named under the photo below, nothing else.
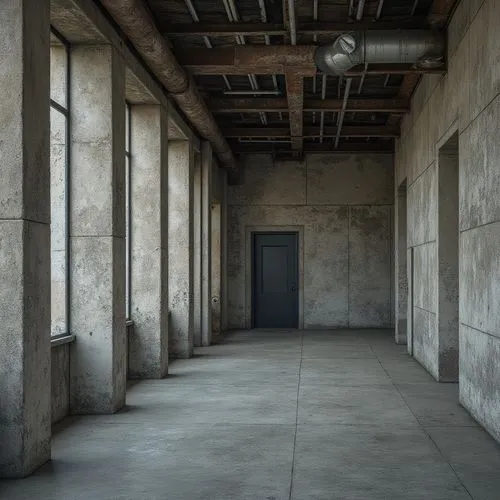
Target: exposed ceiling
(253, 62)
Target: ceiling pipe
(136, 22)
(292, 22)
(424, 48)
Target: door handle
(294, 288)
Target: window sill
(64, 339)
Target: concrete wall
(466, 100)
(60, 382)
(342, 204)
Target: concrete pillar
(206, 243)
(223, 247)
(148, 344)
(448, 251)
(401, 279)
(25, 403)
(216, 265)
(97, 231)
(197, 249)
(180, 247)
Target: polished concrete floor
(277, 415)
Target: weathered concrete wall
(466, 100)
(60, 382)
(344, 205)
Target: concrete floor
(277, 415)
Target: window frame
(128, 210)
(65, 111)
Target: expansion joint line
(296, 413)
(424, 430)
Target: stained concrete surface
(277, 415)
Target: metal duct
(136, 22)
(424, 48)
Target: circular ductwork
(423, 48)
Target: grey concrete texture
(400, 265)
(465, 100)
(148, 344)
(345, 244)
(24, 237)
(197, 244)
(60, 382)
(98, 141)
(98, 358)
(206, 242)
(277, 414)
(180, 245)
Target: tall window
(127, 210)
(59, 181)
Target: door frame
(249, 231)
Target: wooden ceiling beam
(272, 29)
(325, 147)
(273, 60)
(257, 59)
(440, 12)
(280, 104)
(311, 132)
(295, 98)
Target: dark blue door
(275, 280)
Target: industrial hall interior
(249, 249)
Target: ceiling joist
(325, 147)
(312, 132)
(273, 29)
(280, 104)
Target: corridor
(277, 415)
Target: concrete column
(206, 243)
(223, 246)
(97, 231)
(197, 249)
(448, 267)
(180, 247)
(401, 279)
(148, 344)
(25, 403)
(216, 256)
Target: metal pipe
(379, 9)
(342, 113)
(361, 8)
(315, 39)
(315, 17)
(363, 76)
(322, 115)
(425, 48)
(206, 40)
(292, 23)
(138, 25)
(267, 39)
(351, 8)
(414, 8)
(232, 15)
